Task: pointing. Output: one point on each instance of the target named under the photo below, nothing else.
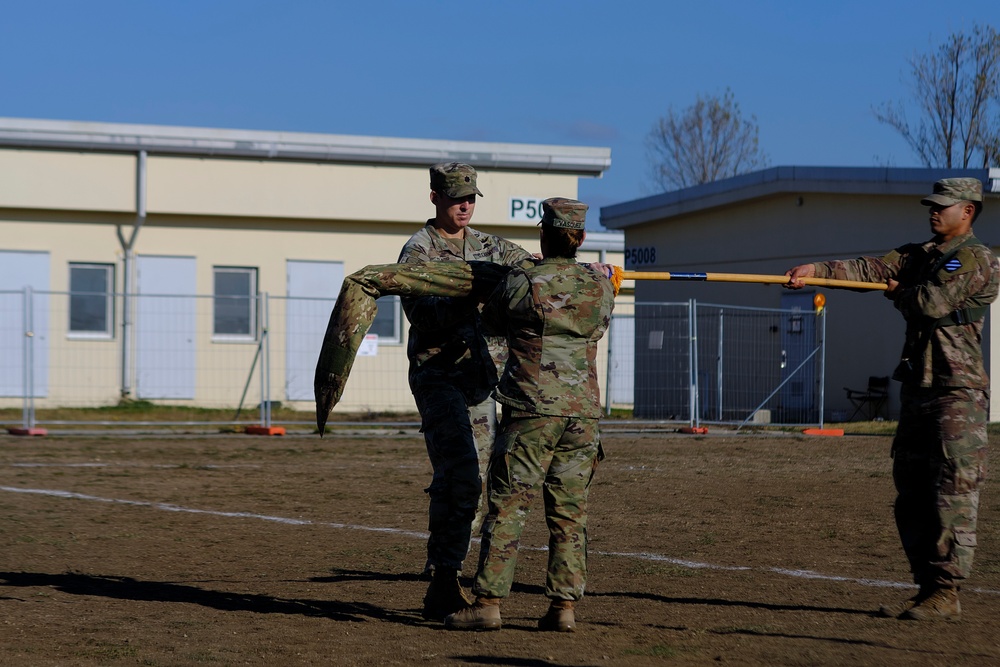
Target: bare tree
(956, 90)
(705, 142)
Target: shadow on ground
(127, 588)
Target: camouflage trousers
(554, 455)
(939, 463)
(459, 438)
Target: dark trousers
(459, 437)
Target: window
(91, 299)
(387, 322)
(235, 303)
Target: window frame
(109, 302)
(252, 297)
(386, 303)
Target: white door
(621, 389)
(17, 271)
(165, 327)
(312, 290)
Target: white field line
(652, 557)
(168, 507)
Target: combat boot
(483, 614)
(896, 609)
(559, 618)
(444, 595)
(941, 605)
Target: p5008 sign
(526, 209)
(640, 256)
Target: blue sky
(596, 73)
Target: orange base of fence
(27, 431)
(265, 430)
(824, 431)
(699, 430)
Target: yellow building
(199, 266)
(768, 221)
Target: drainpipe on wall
(128, 274)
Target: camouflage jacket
(938, 352)
(554, 313)
(447, 341)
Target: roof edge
(197, 141)
(777, 180)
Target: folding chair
(870, 402)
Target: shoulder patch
(966, 260)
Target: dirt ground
(240, 550)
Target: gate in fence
(707, 363)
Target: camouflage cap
(950, 191)
(565, 213)
(454, 179)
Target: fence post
(694, 418)
(27, 370)
(719, 363)
(128, 328)
(28, 423)
(265, 427)
(610, 360)
(265, 365)
(822, 365)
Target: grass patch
(130, 411)
(866, 428)
(655, 651)
(744, 630)
(776, 501)
(661, 570)
(203, 656)
(109, 651)
(849, 428)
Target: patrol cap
(454, 179)
(950, 191)
(564, 213)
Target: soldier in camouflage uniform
(942, 288)
(548, 440)
(454, 365)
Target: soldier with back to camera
(548, 441)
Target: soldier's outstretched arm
(355, 310)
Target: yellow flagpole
(749, 278)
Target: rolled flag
(355, 310)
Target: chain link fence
(82, 352)
(660, 362)
(707, 363)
